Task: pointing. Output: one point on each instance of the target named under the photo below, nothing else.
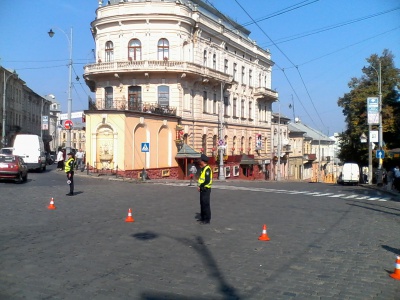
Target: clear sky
(317, 47)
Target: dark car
(13, 167)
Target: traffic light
(83, 118)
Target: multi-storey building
(22, 110)
(160, 64)
(313, 151)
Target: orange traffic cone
(396, 273)
(51, 205)
(264, 235)
(129, 217)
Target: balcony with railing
(128, 66)
(310, 157)
(265, 92)
(124, 105)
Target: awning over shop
(187, 152)
(246, 160)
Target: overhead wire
(285, 55)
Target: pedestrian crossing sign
(145, 147)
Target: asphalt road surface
(326, 241)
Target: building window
(204, 101)
(215, 104)
(226, 68)
(242, 109)
(205, 58)
(135, 98)
(108, 96)
(163, 49)
(250, 110)
(109, 51)
(259, 80)
(226, 105)
(234, 71)
(234, 107)
(163, 95)
(134, 50)
(250, 77)
(215, 61)
(243, 73)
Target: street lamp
(3, 140)
(380, 133)
(221, 174)
(51, 34)
(278, 173)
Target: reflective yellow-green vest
(202, 177)
(69, 164)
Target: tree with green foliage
(354, 104)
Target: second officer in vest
(204, 187)
(69, 170)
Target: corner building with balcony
(178, 75)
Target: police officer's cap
(70, 154)
(204, 158)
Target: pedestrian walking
(396, 181)
(390, 176)
(204, 187)
(69, 170)
(79, 160)
(60, 160)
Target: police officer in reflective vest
(69, 170)
(204, 187)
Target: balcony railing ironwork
(123, 104)
(154, 65)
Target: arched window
(163, 49)
(108, 97)
(134, 50)
(109, 51)
(163, 95)
(204, 143)
(135, 98)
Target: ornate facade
(186, 60)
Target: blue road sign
(145, 147)
(380, 154)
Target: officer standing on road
(204, 187)
(69, 170)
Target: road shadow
(396, 251)
(226, 291)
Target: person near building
(389, 176)
(396, 180)
(60, 160)
(79, 160)
(69, 170)
(204, 187)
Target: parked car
(31, 148)
(7, 150)
(13, 167)
(49, 159)
(350, 174)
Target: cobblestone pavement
(326, 241)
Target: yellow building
(164, 63)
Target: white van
(31, 148)
(350, 174)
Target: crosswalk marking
(280, 191)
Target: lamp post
(380, 131)
(221, 174)
(3, 132)
(51, 34)
(278, 171)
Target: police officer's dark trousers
(71, 185)
(205, 209)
